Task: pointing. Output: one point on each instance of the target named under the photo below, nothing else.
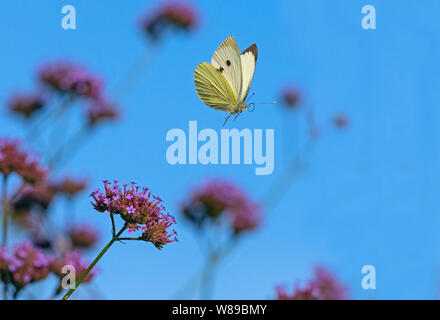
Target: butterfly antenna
(253, 94)
(273, 102)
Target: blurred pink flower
(74, 259)
(325, 286)
(308, 293)
(26, 104)
(139, 209)
(291, 97)
(13, 159)
(69, 186)
(329, 287)
(83, 236)
(100, 110)
(33, 197)
(341, 121)
(177, 15)
(66, 77)
(217, 197)
(24, 265)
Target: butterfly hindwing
(227, 61)
(248, 62)
(213, 88)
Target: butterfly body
(224, 83)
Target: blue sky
(369, 194)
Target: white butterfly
(224, 84)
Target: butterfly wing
(213, 88)
(227, 60)
(248, 62)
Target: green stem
(113, 224)
(133, 74)
(207, 285)
(72, 145)
(103, 251)
(281, 185)
(56, 112)
(5, 290)
(5, 211)
(5, 227)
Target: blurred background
(356, 139)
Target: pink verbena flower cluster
(74, 259)
(40, 196)
(24, 265)
(69, 78)
(31, 198)
(83, 236)
(100, 110)
(139, 209)
(13, 159)
(28, 212)
(177, 15)
(69, 186)
(31, 202)
(325, 286)
(26, 104)
(216, 198)
(66, 77)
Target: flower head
(26, 104)
(324, 286)
(218, 197)
(341, 121)
(73, 259)
(292, 97)
(13, 159)
(32, 198)
(329, 286)
(70, 186)
(138, 208)
(307, 293)
(83, 236)
(100, 110)
(171, 15)
(66, 77)
(24, 265)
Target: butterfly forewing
(248, 61)
(227, 61)
(213, 88)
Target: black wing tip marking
(253, 49)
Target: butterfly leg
(226, 119)
(237, 115)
